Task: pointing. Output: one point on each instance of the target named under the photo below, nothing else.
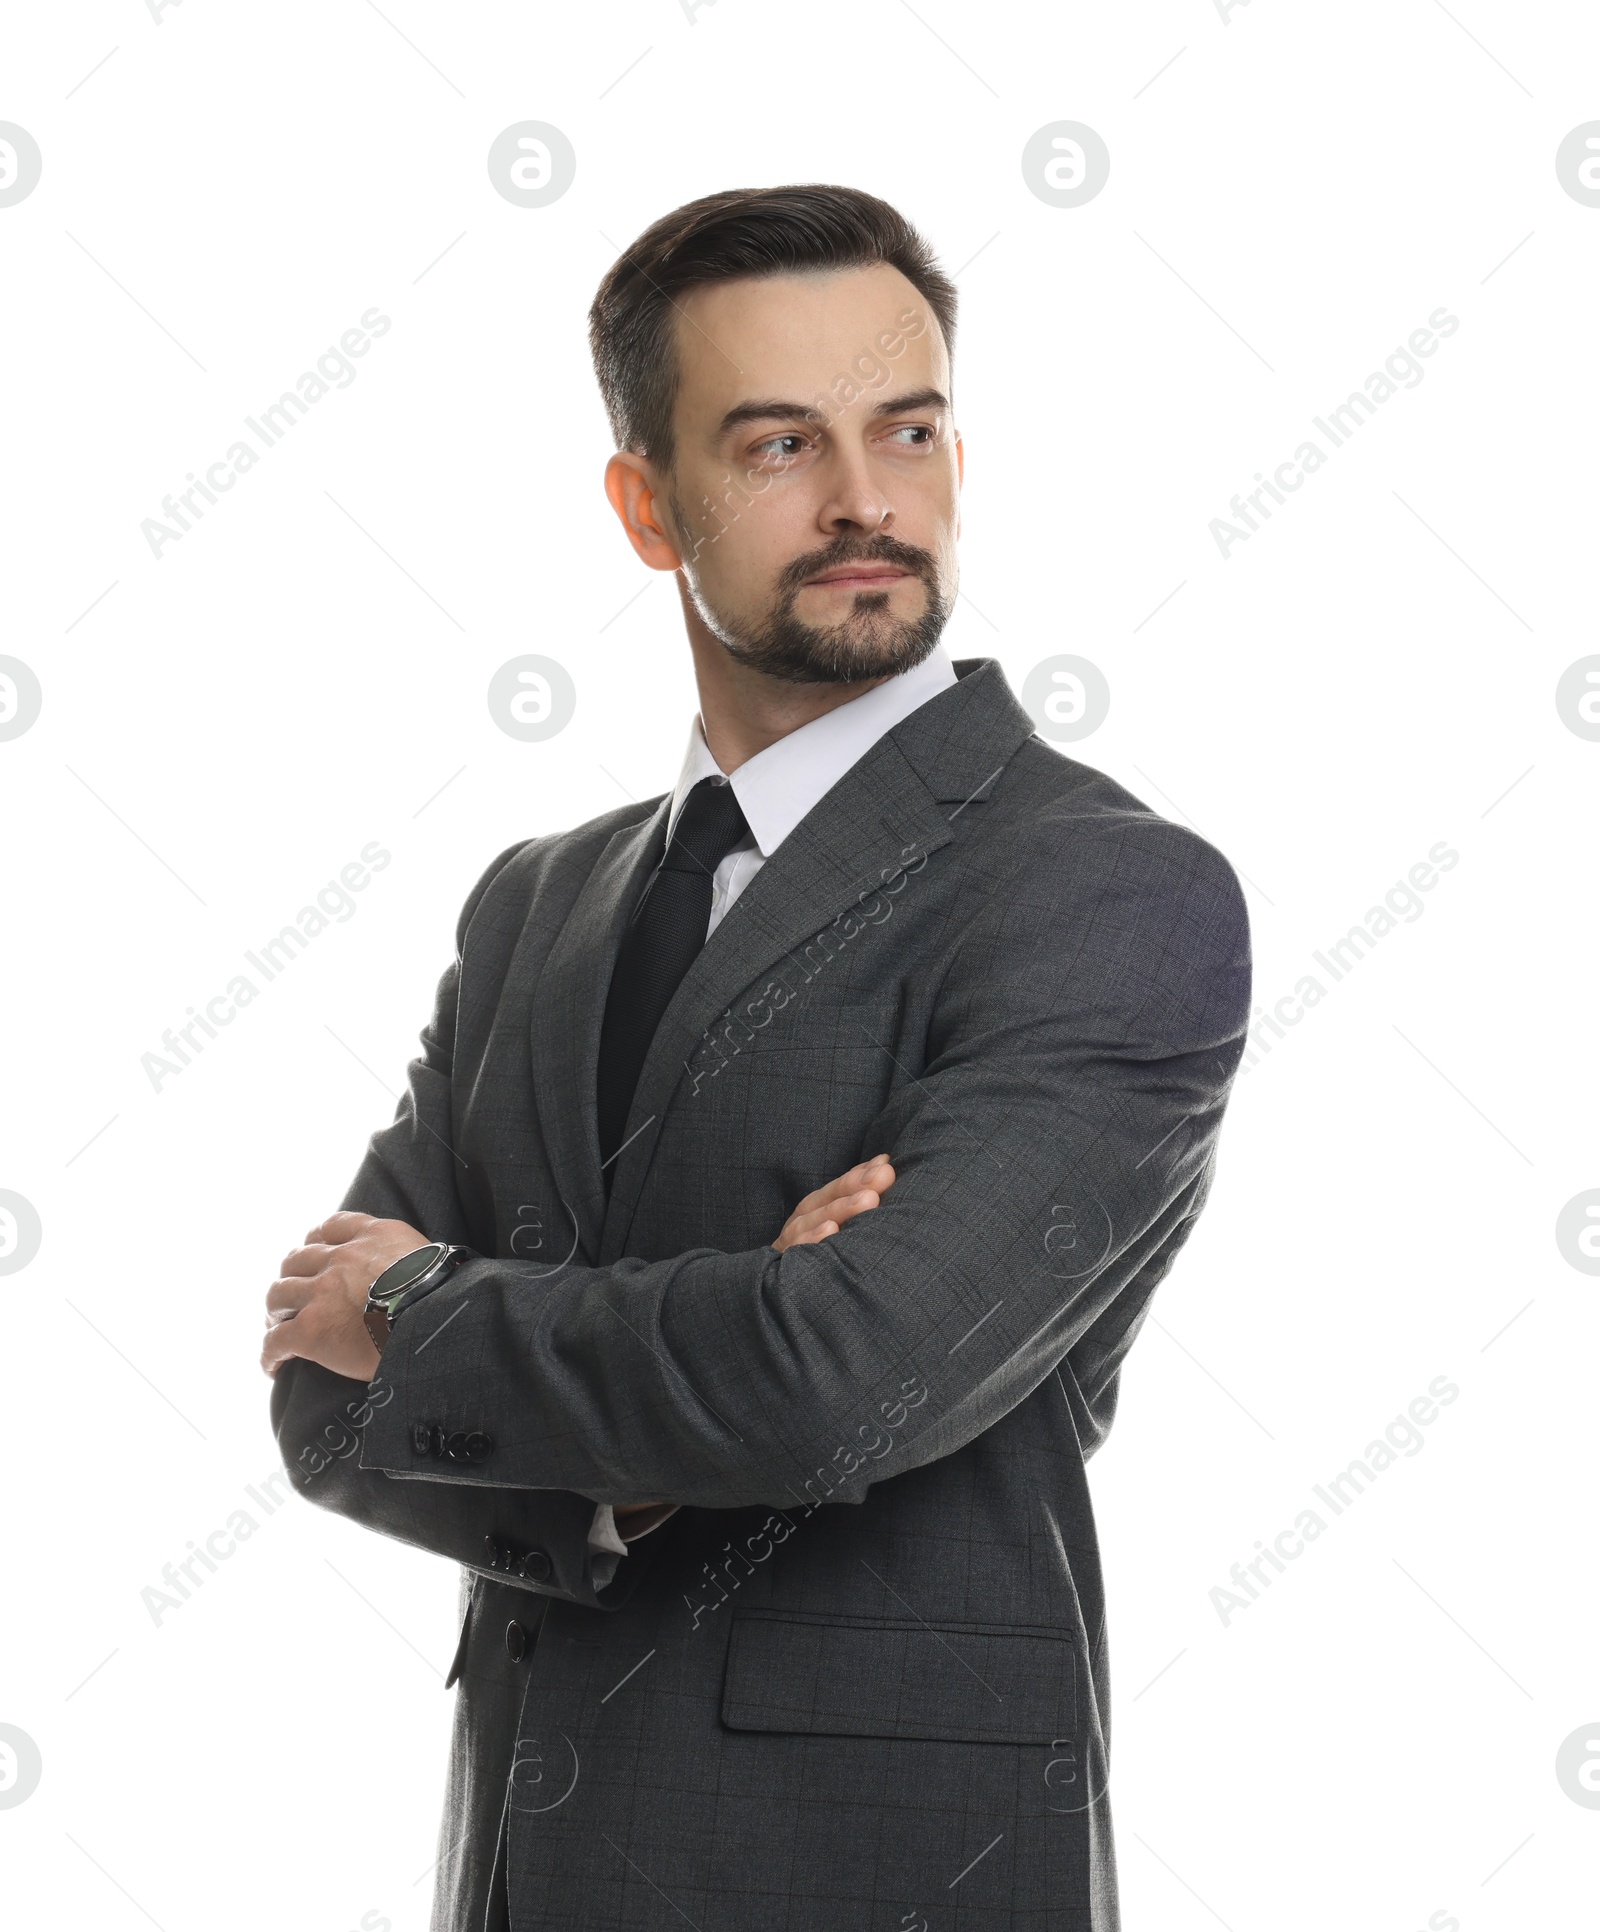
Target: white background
(1292, 194)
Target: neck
(743, 711)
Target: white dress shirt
(775, 790)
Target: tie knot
(708, 828)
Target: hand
(314, 1308)
(826, 1211)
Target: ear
(631, 487)
(961, 475)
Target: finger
(861, 1202)
(791, 1237)
(877, 1173)
(342, 1225)
(287, 1296)
(820, 1233)
(831, 1218)
(838, 1210)
(284, 1340)
(854, 1192)
(309, 1260)
(850, 1182)
(815, 1199)
(864, 1173)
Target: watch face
(399, 1275)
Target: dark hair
(727, 237)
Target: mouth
(865, 576)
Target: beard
(868, 643)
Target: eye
(773, 443)
(915, 429)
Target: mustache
(849, 550)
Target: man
(815, 1138)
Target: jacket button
(435, 1440)
(494, 1552)
(516, 1641)
(421, 1440)
(479, 1446)
(455, 1445)
(535, 1566)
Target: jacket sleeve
(1051, 1157)
(535, 1538)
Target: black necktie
(658, 948)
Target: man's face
(817, 474)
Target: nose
(856, 501)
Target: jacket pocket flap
(878, 1677)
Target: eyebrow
(775, 410)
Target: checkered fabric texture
(859, 1681)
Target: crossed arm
(314, 1308)
(322, 1287)
(1049, 1159)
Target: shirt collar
(778, 786)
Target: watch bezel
(415, 1283)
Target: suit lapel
(568, 1009)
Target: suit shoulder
(1146, 913)
(1076, 823)
(530, 866)
(1077, 845)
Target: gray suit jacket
(858, 1682)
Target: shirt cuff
(607, 1545)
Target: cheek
(932, 497)
(929, 517)
(750, 543)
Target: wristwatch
(405, 1281)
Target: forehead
(793, 336)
